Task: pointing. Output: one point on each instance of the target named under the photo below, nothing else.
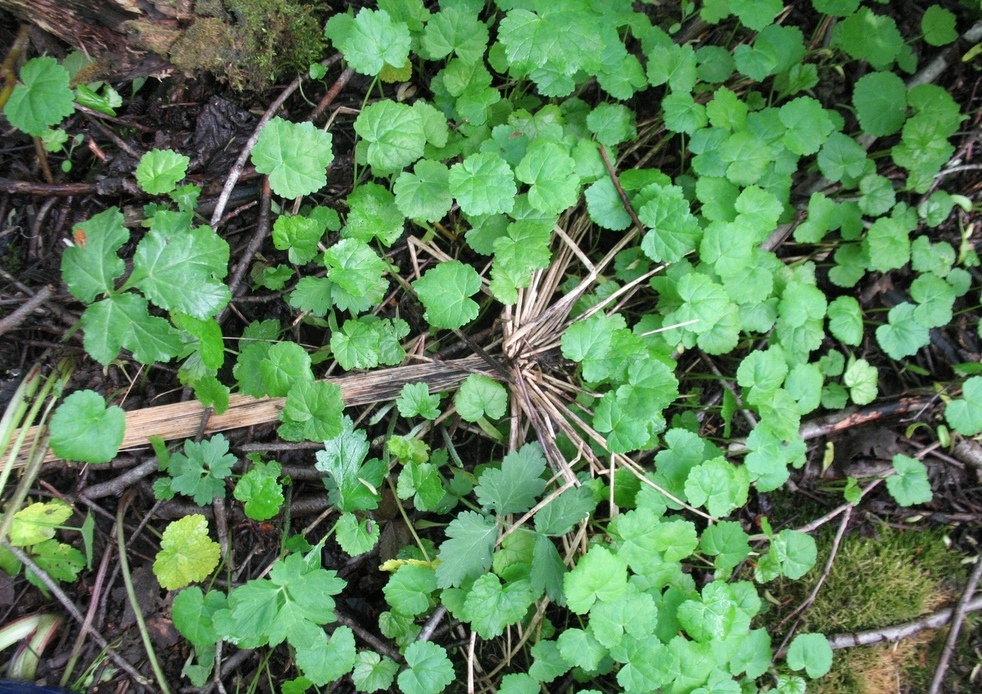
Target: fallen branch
(894, 633)
(183, 419)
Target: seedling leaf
(910, 485)
(964, 414)
(514, 487)
(480, 396)
(445, 292)
(84, 429)
(160, 170)
(42, 99)
(429, 669)
(294, 155)
(186, 554)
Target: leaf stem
(131, 593)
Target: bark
(100, 28)
(246, 41)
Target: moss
(891, 577)
(249, 42)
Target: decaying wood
(184, 419)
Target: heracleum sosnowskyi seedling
(611, 187)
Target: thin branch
(956, 624)
(894, 633)
(800, 610)
(76, 614)
(8, 323)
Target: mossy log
(247, 42)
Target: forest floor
(206, 119)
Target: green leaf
(746, 157)
(356, 483)
(866, 35)
(183, 270)
(674, 65)
(90, 266)
(910, 485)
(394, 133)
(550, 173)
(808, 124)
(415, 401)
(160, 170)
(369, 41)
(445, 292)
(811, 653)
(60, 561)
(935, 299)
(561, 514)
(598, 575)
(357, 345)
(42, 99)
(290, 605)
(964, 414)
(455, 30)
(727, 542)
(260, 491)
(285, 364)
(410, 588)
(841, 156)
(861, 380)
(356, 536)
(37, 522)
(903, 334)
(193, 613)
(846, 320)
(123, 321)
(762, 373)
(647, 665)
(938, 25)
(673, 229)
(186, 554)
(373, 672)
(755, 14)
(581, 649)
(323, 663)
(838, 8)
(429, 669)
(423, 482)
(467, 551)
(635, 614)
(483, 183)
(548, 662)
(553, 43)
(312, 294)
(682, 113)
(200, 471)
(424, 193)
(481, 396)
(356, 273)
(294, 155)
(793, 552)
(492, 606)
(84, 429)
(605, 206)
(712, 617)
(611, 124)
(881, 103)
(514, 487)
(519, 683)
(299, 236)
(718, 485)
